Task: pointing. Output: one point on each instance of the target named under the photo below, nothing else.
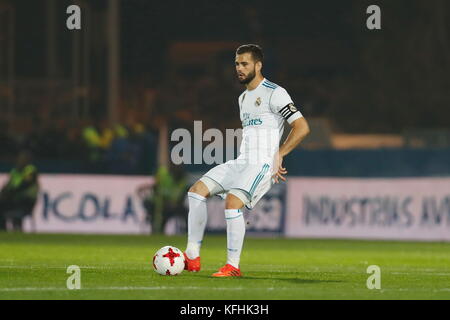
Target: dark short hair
(254, 49)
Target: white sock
(196, 224)
(235, 235)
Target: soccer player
(264, 107)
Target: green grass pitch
(33, 266)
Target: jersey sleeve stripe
(268, 86)
(271, 83)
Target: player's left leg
(234, 203)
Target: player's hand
(280, 169)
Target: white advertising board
(398, 209)
(88, 204)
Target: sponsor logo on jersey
(251, 122)
(248, 121)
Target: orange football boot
(228, 271)
(192, 265)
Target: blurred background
(104, 99)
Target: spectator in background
(98, 138)
(91, 137)
(19, 195)
(165, 199)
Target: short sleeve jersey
(263, 112)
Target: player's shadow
(274, 277)
(296, 280)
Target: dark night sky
(325, 46)
(147, 26)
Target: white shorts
(240, 177)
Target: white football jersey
(263, 112)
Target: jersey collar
(259, 85)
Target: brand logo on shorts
(258, 102)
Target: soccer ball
(168, 261)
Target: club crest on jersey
(258, 102)
(292, 107)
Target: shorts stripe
(258, 178)
(257, 183)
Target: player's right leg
(197, 217)
(209, 185)
(199, 188)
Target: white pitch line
(124, 288)
(422, 274)
(187, 288)
(81, 267)
(31, 289)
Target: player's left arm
(282, 104)
(299, 130)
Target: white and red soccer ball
(168, 261)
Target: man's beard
(249, 78)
